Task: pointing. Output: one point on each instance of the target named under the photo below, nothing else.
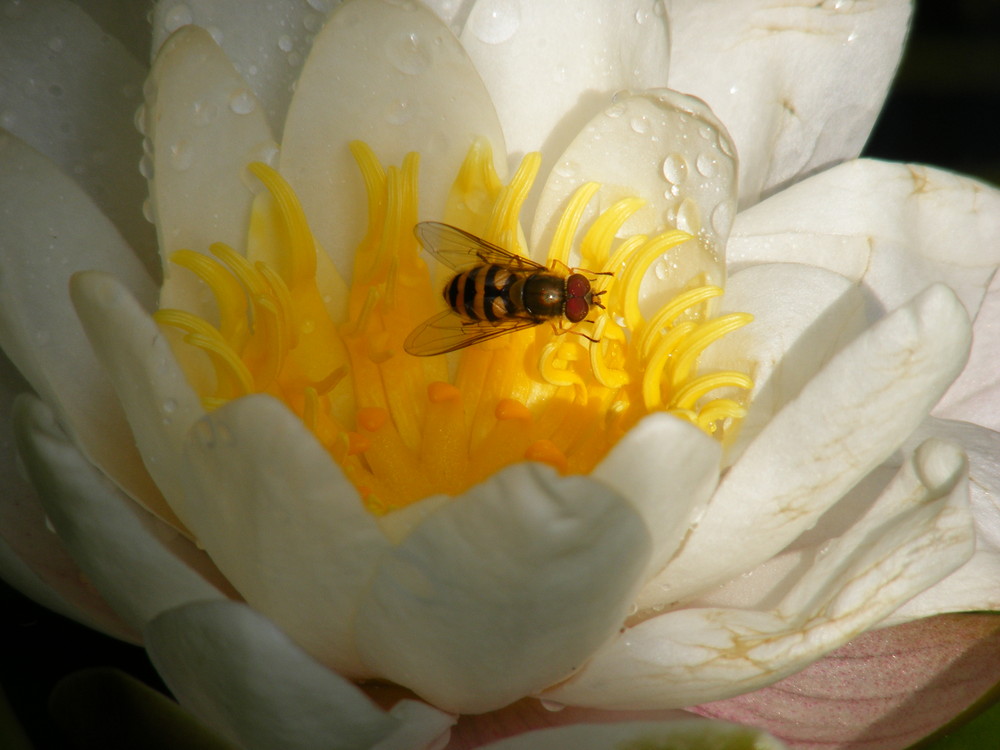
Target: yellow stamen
(404, 427)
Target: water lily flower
(660, 506)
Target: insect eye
(577, 285)
(576, 308)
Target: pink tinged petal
(267, 42)
(667, 469)
(895, 228)
(44, 241)
(141, 566)
(205, 126)
(669, 150)
(813, 452)
(802, 316)
(799, 85)
(70, 90)
(505, 590)
(673, 734)
(975, 395)
(917, 532)
(236, 671)
(884, 690)
(393, 75)
(547, 91)
(153, 391)
(283, 523)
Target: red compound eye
(577, 308)
(577, 285)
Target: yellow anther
(509, 409)
(439, 393)
(301, 251)
(594, 248)
(372, 418)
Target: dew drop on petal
(706, 165)
(399, 112)
(49, 525)
(566, 168)
(675, 169)
(56, 44)
(550, 705)
(494, 21)
(147, 211)
(688, 217)
(179, 15)
(204, 112)
(722, 217)
(146, 167)
(181, 156)
(615, 110)
(285, 43)
(242, 102)
(639, 125)
(169, 406)
(408, 53)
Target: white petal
(283, 523)
(845, 422)
(267, 42)
(550, 67)
(141, 566)
(975, 395)
(669, 150)
(32, 558)
(70, 90)
(205, 126)
(692, 733)
(974, 585)
(918, 531)
(799, 85)
(153, 391)
(393, 75)
(505, 590)
(242, 676)
(667, 469)
(802, 316)
(896, 228)
(126, 22)
(50, 230)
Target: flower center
(404, 427)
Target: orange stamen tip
(546, 452)
(372, 418)
(357, 443)
(509, 408)
(440, 393)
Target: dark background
(941, 111)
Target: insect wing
(458, 249)
(447, 332)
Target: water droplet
(179, 15)
(688, 217)
(550, 705)
(242, 102)
(495, 21)
(639, 124)
(675, 169)
(559, 75)
(146, 166)
(312, 22)
(322, 6)
(169, 406)
(285, 43)
(204, 112)
(294, 59)
(567, 168)
(726, 146)
(49, 525)
(615, 110)
(400, 112)
(181, 156)
(56, 44)
(707, 165)
(662, 270)
(408, 53)
(216, 33)
(266, 152)
(147, 211)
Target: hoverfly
(494, 292)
